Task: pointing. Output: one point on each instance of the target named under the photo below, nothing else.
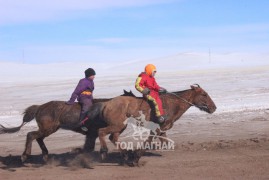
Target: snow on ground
(236, 82)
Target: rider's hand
(69, 103)
(146, 91)
(162, 90)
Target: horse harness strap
(184, 100)
(142, 100)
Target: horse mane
(183, 91)
(131, 94)
(180, 92)
(126, 93)
(101, 100)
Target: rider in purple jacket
(83, 93)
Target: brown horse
(50, 117)
(117, 110)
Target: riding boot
(162, 119)
(83, 117)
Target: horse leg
(134, 156)
(163, 138)
(43, 147)
(90, 141)
(103, 149)
(105, 131)
(46, 128)
(114, 138)
(150, 137)
(125, 154)
(129, 157)
(28, 146)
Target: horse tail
(29, 115)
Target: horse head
(202, 100)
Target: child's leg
(157, 104)
(86, 104)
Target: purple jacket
(84, 84)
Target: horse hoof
(45, 158)
(91, 150)
(23, 158)
(76, 150)
(136, 162)
(130, 164)
(103, 152)
(103, 156)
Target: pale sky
(126, 30)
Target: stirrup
(84, 128)
(162, 119)
(84, 120)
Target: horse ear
(195, 88)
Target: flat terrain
(232, 145)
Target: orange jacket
(145, 81)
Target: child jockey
(83, 93)
(146, 84)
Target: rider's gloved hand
(146, 91)
(162, 90)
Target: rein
(184, 100)
(202, 107)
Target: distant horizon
(178, 63)
(208, 55)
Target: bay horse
(117, 110)
(50, 117)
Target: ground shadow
(69, 160)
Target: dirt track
(232, 145)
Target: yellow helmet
(149, 69)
